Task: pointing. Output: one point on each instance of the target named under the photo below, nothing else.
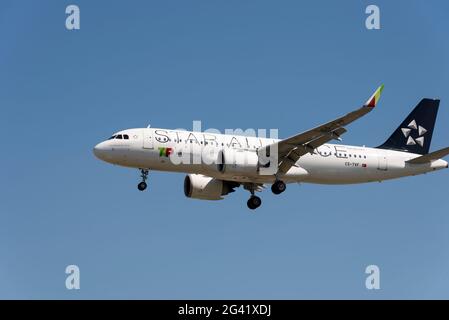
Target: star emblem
(412, 126)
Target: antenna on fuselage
(149, 126)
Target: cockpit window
(119, 136)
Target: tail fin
(415, 133)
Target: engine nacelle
(201, 187)
(239, 162)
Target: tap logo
(412, 127)
(165, 152)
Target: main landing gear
(144, 175)
(254, 201)
(278, 187)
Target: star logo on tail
(412, 126)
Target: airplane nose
(101, 151)
(96, 151)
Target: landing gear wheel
(254, 202)
(144, 175)
(142, 186)
(278, 187)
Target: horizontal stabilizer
(430, 156)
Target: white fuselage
(154, 149)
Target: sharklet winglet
(374, 99)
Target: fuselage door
(148, 142)
(382, 163)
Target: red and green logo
(165, 152)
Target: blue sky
(231, 64)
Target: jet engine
(202, 187)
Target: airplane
(308, 157)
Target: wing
(291, 149)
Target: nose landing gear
(142, 186)
(144, 175)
